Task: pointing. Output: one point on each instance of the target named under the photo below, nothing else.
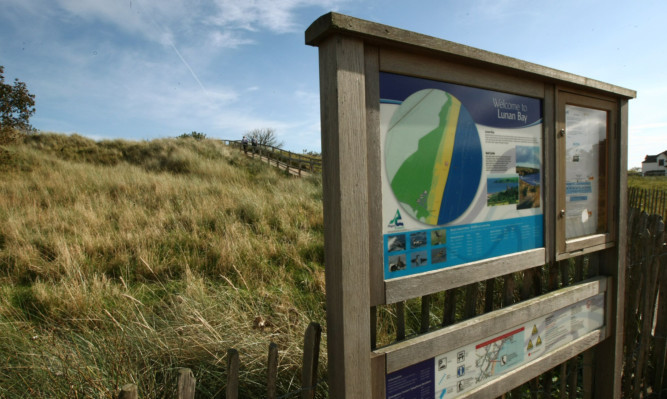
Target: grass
(123, 261)
(647, 182)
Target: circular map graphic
(433, 157)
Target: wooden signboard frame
(353, 53)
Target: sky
(145, 69)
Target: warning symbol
(534, 329)
(539, 341)
(530, 344)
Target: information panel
(586, 139)
(462, 174)
(453, 373)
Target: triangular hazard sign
(530, 344)
(539, 341)
(534, 329)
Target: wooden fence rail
(283, 159)
(311, 353)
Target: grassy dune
(123, 261)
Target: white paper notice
(586, 133)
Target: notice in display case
(451, 374)
(586, 135)
(462, 174)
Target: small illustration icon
(461, 356)
(442, 363)
(397, 221)
(461, 371)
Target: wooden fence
(648, 200)
(290, 161)
(644, 373)
(311, 353)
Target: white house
(655, 165)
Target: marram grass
(121, 262)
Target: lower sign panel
(454, 373)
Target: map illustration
(433, 157)
(497, 356)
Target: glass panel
(585, 166)
(462, 174)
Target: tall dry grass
(123, 261)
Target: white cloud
(227, 39)
(273, 15)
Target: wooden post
(649, 290)
(489, 292)
(660, 344)
(563, 381)
(232, 390)
(471, 293)
(609, 354)
(449, 310)
(272, 371)
(425, 314)
(400, 321)
(589, 360)
(311, 355)
(345, 186)
(572, 377)
(186, 384)
(128, 391)
(508, 290)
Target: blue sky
(142, 69)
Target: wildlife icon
(419, 259)
(397, 263)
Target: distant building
(655, 165)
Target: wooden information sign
(444, 166)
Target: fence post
(311, 354)
(186, 384)
(649, 290)
(272, 371)
(232, 374)
(128, 391)
(660, 344)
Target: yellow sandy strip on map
(442, 162)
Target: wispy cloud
(228, 39)
(272, 15)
